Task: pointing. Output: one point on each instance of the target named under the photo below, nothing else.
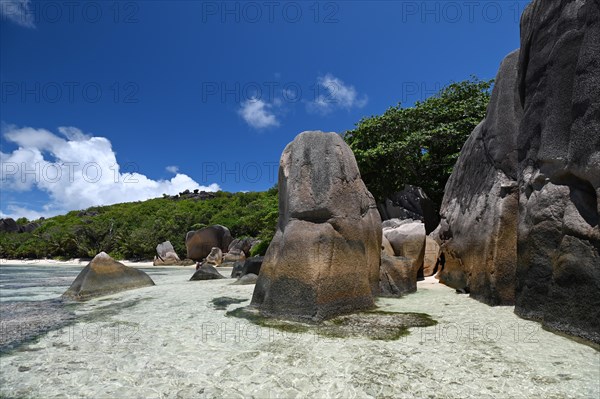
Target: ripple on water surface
(171, 341)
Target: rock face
(236, 270)
(397, 276)
(410, 203)
(166, 250)
(199, 243)
(215, 257)
(324, 258)
(166, 256)
(253, 265)
(9, 225)
(521, 212)
(249, 266)
(479, 210)
(206, 272)
(386, 247)
(234, 255)
(432, 252)
(242, 244)
(103, 276)
(246, 279)
(558, 271)
(407, 239)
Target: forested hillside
(132, 230)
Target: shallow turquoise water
(169, 341)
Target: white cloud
(15, 212)
(335, 94)
(17, 11)
(82, 172)
(257, 114)
(172, 169)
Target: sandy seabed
(169, 341)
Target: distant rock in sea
(206, 272)
(104, 276)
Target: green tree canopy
(418, 145)
(132, 230)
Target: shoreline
(75, 262)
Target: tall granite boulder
(166, 255)
(432, 253)
(397, 276)
(325, 255)
(166, 250)
(199, 243)
(104, 276)
(558, 272)
(215, 257)
(407, 239)
(478, 230)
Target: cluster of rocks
(402, 256)
(244, 267)
(410, 203)
(195, 195)
(213, 247)
(245, 272)
(520, 214)
(166, 256)
(9, 225)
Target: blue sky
(105, 102)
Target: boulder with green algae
(324, 258)
(104, 276)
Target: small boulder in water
(206, 272)
(103, 276)
(246, 279)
